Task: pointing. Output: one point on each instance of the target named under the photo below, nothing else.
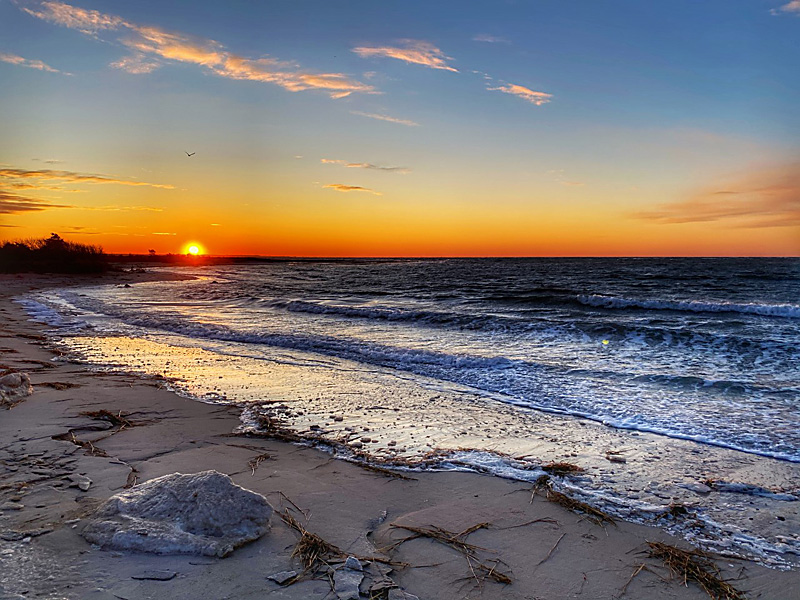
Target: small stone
(346, 582)
(616, 459)
(11, 506)
(81, 482)
(154, 575)
(398, 594)
(338, 418)
(356, 445)
(353, 563)
(698, 488)
(392, 443)
(366, 440)
(282, 577)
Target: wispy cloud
(340, 187)
(352, 165)
(11, 204)
(387, 118)
(537, 98)
(162, 233)
(79, 230)
(26, 62)
(792, 7)
(417, 52)
(562, 179)
(151, 46)
(49, 161)
(22, 178)
(87, 21)
(490, 39)
(117, 208)
(137, 64)
(766, 198)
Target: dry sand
(548, 552)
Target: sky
(413, 128)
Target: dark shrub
(51, 255)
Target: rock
(81, 482)
(615, 458)
(14, 386)
(366, 440)
(353, 563)
(11, 506)
(338, 418)
(698, 488)
(11, 535)
(282, 577)
(200, 513)
(154, 575)
(398, 594)
(346, 582)
(356, 445)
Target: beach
(545, 550)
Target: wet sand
(547, 551)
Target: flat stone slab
(155, 575)
(201, 513)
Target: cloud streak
(340, 187)
(352, 165)
(151, 46)
(537, 98)
(489, 39)
(22, 178)
(416, 52)
(768, 198)
(386, 118)
(12, 204)
(792, 7)
(13, 59)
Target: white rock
(200, 513)
(14, 387)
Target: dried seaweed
(58, 385)
(117, 420)
(481, 570)
(697, 566)
(87, 445)
(593, 514)
(561, 468)
(255, 461)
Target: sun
(193, 249)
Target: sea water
(691, 361)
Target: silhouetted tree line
(51, 255)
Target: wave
(791, 311)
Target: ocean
(503, 363)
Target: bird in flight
(192, 154)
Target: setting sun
(193, 249)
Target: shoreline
(346, 501)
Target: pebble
(698, 488)
(282, 577)
(11, 506)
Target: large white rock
(14, 386)
(199, 513)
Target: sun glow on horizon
(194, 249)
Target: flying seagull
(192, 154)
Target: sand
(547, 551)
